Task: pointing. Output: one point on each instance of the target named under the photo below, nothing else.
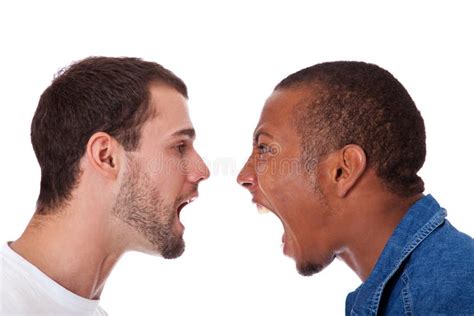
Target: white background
(231, 54)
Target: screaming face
(278, 181)
(160, 178)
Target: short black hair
(108, 94)
(363, 104)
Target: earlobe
(352, 166)
(102, 154)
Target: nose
(247, 177)
(200, 172)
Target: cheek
(270, 178)
(175, 178)
(296, 205)
(168, 178)
(286, 190)
(271, 189)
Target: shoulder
(439, 275)
(446, 251)
(16, 290)
(100, 312)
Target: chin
(172, 255)
(309, 268)
(173, 249)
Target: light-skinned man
(114, 142)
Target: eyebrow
(190, 132)
(257, 135)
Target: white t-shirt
(25, 290)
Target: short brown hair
(95, 94)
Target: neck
(71, 247)
(374, 225)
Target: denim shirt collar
(422, 219)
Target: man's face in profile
(161, 177)
(276, 177)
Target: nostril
(247, 185)
(246, 179)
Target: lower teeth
(262, 209)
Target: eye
(263, 149)
(181, 148)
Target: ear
(351, 166)
(103, 154)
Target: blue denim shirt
(426, 268)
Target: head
(323, 132)
(117, 131)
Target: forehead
(170, 113)
(277, 113)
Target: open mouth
(181, 206)
(284, 238)
(184, 203)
